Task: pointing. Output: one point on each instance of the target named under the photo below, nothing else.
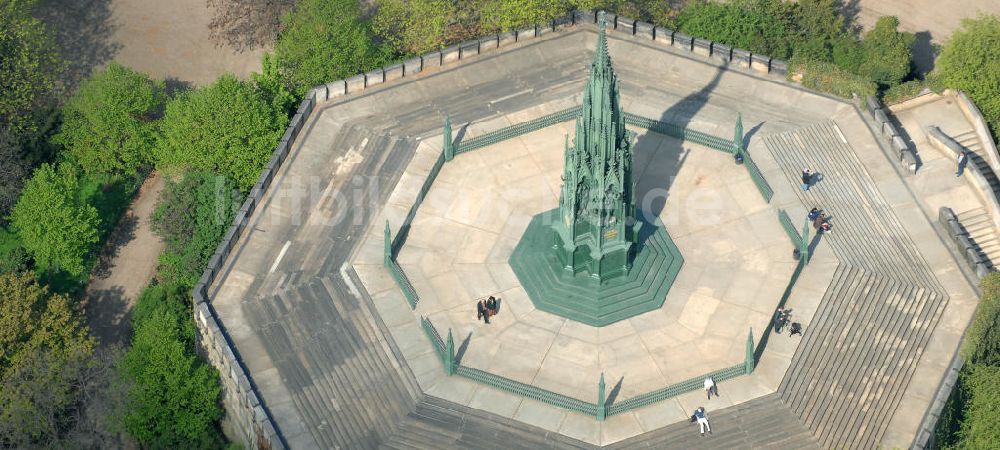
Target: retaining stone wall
(906, 155)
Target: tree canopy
(970, 61)
(322, 41)
(413, 27)
(43, 348)
(55, 226)
(173, 399)
(108, 125)
(29, 64)
(226, 127)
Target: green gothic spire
(597, 202)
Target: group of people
(820, 221)
(487, 308)
(783, 316)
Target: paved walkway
(125, 268)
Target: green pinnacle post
(388, 245)
(738, 139)
(601, 412)
(449, 149)
(449, 364)
(748, 365)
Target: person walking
(699, 415)
(779, 317)
(963, 159)
(710, 387)
(806, 179)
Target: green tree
(982, 342)
(226, 127)
(29, 64)
(108, 126)
(506, 15)
(970, 61)
(980, 428)
(55, 226)
(413, 27)
(43, 348)
(819, 24)
(192, 216)
(173, 401)
(887, 52)
(322, 41)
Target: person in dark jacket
(483, 313)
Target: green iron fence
(513, 131)
(786, 223)
(562, 401)
(679, 132)
(446, 354)
(435, 338)
(757, 177)
(649, 398)
(527, 390)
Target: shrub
(982, 341)
(227, 127)
(887, 52)
(828, 77)
(192, 216)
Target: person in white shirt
(710, 387)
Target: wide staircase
(439, 424)
(978, 223)
(968, 139)
(862, 347)
(760, 423)
(343, 375)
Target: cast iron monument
(594, 259)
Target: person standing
(813, 214)
(699, 414)
(481, 310)
(779, 317)
(963, 159)
(796, 329)
(806, 179)
(710, 387)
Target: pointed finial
(601, 56)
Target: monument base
(583, 298)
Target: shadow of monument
(653, 189)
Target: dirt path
(127, 266)
(167, 39)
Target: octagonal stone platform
(480, 205)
